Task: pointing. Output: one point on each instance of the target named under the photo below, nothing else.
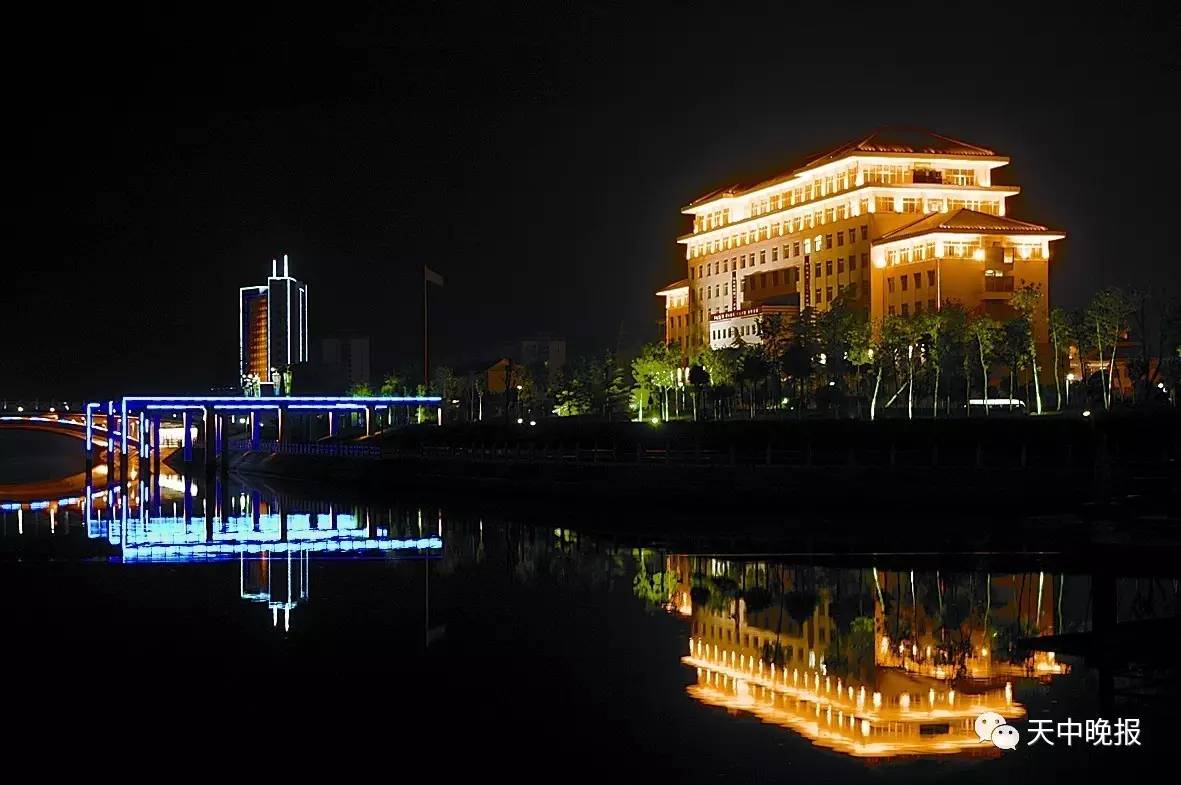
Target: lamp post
(1069, 379)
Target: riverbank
(888, 469)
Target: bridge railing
(326, 449)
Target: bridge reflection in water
(170, 518)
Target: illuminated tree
(654, 370)
(1106, 317)
(902, 337)
(1061, 334)
(1013, 350)
(983, 333)
(1025, 301)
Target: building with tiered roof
(899, 222)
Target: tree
(930, 325)
(752, 369)
(1025, 301)
(947, 348)
(654, 369)
(862, 352)
(902, 336)
(698, 378)
(1061, 334)
(1013, 348)
(983, 334)
(360, 390)
(1107, 315)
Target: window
(775, 253)
(817, 300)
(864, 232)
(828, 267)
(828, 294)
(905, 279)
(905, 307)
(795, 249)
(743, 257)
(762, 257)
(918, 307)
(930, 277)
(840, 238)
(890, 285)
(918, 280)
(725, 266)
(840, 264)
(816, 274)
(828, 241)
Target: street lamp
(1069, 379)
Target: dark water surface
(236, 630)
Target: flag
(432, 276)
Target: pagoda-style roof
(673, 287)
(884, 141)
(964, 221)
(908, 141)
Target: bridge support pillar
(368, 420)
(223, 442)
(254, 430)
(154, 450)
(110, 443)
(282, 426)
(331, 423)
(89, 441)
(210, 426)
(144, 458)
(186, 421)
(186, 482)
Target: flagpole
(426, 357)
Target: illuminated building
(790, 662)
(272, 328)
(898, 222)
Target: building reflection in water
(869, 663)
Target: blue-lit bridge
(138, 420)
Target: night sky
(535, 154)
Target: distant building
(542, 351)
(272, 329)
(345, 359)
(896, 223)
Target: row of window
(794, 225)
(743, 331)
(850, 291)
(918, 308)
(881, 204)
(904, 281)
(820, 187)
(840, 265)
(784, 251)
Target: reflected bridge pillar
(186, 421)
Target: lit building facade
(898, 222)
(272, 329)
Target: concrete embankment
(894, 468)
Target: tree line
(1124, 348)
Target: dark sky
(536, 154)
